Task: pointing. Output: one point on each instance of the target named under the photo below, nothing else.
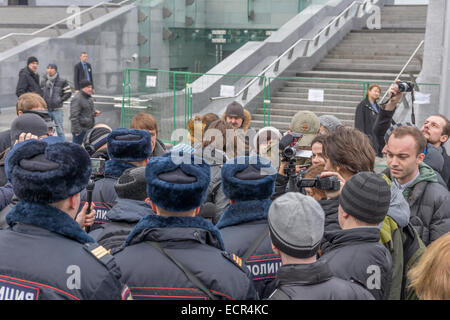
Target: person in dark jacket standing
(355, 251)
(129, 208)
(127, 148)
(82, 71)
(82, 112)
(249, 182)
(48, 175)
(56, 91)
(29, 78)
(428, 200)
(366, 114)
(296, 228)
(180, 256)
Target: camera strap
(192, 278)
(255, 244)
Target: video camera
(326, 183)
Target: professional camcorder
(326, 183)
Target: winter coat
(193, 242)
(28, 82)
(215, 159)
(357, 254)
(45, 255)
(160, 149)
(104, 195)
(429, 203)
(6, 194)
(446, 169)
(315, 281)
(79, 74)
(122, 218)
(240, 225)
(5, 140)
(55, 97)
(365, 117)
(82, 112)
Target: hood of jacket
(114, 168)
(426, 173)
(47, 217)
(159, 228)
(398, 208)
(128, 210)
(244, 211)
(340, 238)
(246, 122)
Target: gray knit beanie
(132, 184)
(366, 196)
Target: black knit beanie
(132, 184)
(366, 196)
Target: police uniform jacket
(357, 254)
(315, 282)
(46, 255)
(197, 245)
(122, 218)
(104, 195)
(240, 225)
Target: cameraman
(304, 127)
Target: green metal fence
(174, 97)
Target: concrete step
(367, 67)
(393, 30)
(328, 95)
(343, 84)
(286, 107)
(377, 50)
(385, 60)
(290, 113)
(306, 102)
(284, 126)
(381, 41)
(278, 118)
(339, 75)
(366, 57)
(358, 92)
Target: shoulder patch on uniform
(99, 252)
(126, 293)
(233, 258)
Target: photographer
(295, 151)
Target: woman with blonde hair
(430, 277)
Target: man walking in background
(82, 71)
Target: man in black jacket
(29, 78)
(249, 182)
(355, 251)
(296, 229)
(82, 71)
(82, 112)
(56, 91)
(180, 255)
(47, 176)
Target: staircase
(365, 55)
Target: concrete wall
(109, 41)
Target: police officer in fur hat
(180, 255)
(127, 148)
(249, 182)
(45, 254)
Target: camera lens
(405, 86)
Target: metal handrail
(291, 48)
(405, 66)
(103, 4)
